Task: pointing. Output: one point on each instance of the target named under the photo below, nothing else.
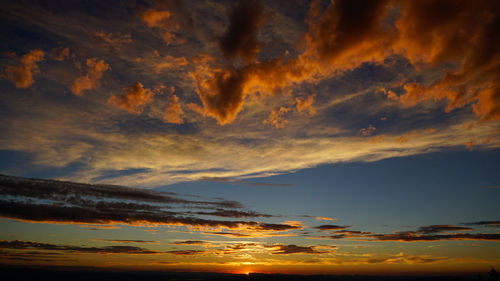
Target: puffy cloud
(459, 32)
(154, 18)
(163, 21)
(22, 75)
(306, 104)
(134, 98)
(91, 80)
(173, 112)
(350, 33)
(240, 39)
(277, 117)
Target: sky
(333, 137)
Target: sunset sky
(336, 137)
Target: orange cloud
(134, 98)
(306, 104)
(173, 112)
(171, 62)
(277, 117)
(22, 75)
(463, 33)
(95, 70)
(163, 21)
(347, 34)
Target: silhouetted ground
(88, 274)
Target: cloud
(170, 62)
(163, 21)
(22, 75)
(294, 249)
(442, 228)
(128, 241)
(277, 117)
(319, 218)
(154, 18)
(414, 237)
(240, 38)
(431, 38)
(367, 131)
(91, 80)
(186, 252)
(484, 223)
(173, 112)
(134, 98)
(110, 41)
(306, 104)
(68, 203)
(19, 244)
(189, 242)
(330, 227)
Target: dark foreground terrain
(90, 274)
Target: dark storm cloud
(240, 39)
(330, 227)
(18, 244)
